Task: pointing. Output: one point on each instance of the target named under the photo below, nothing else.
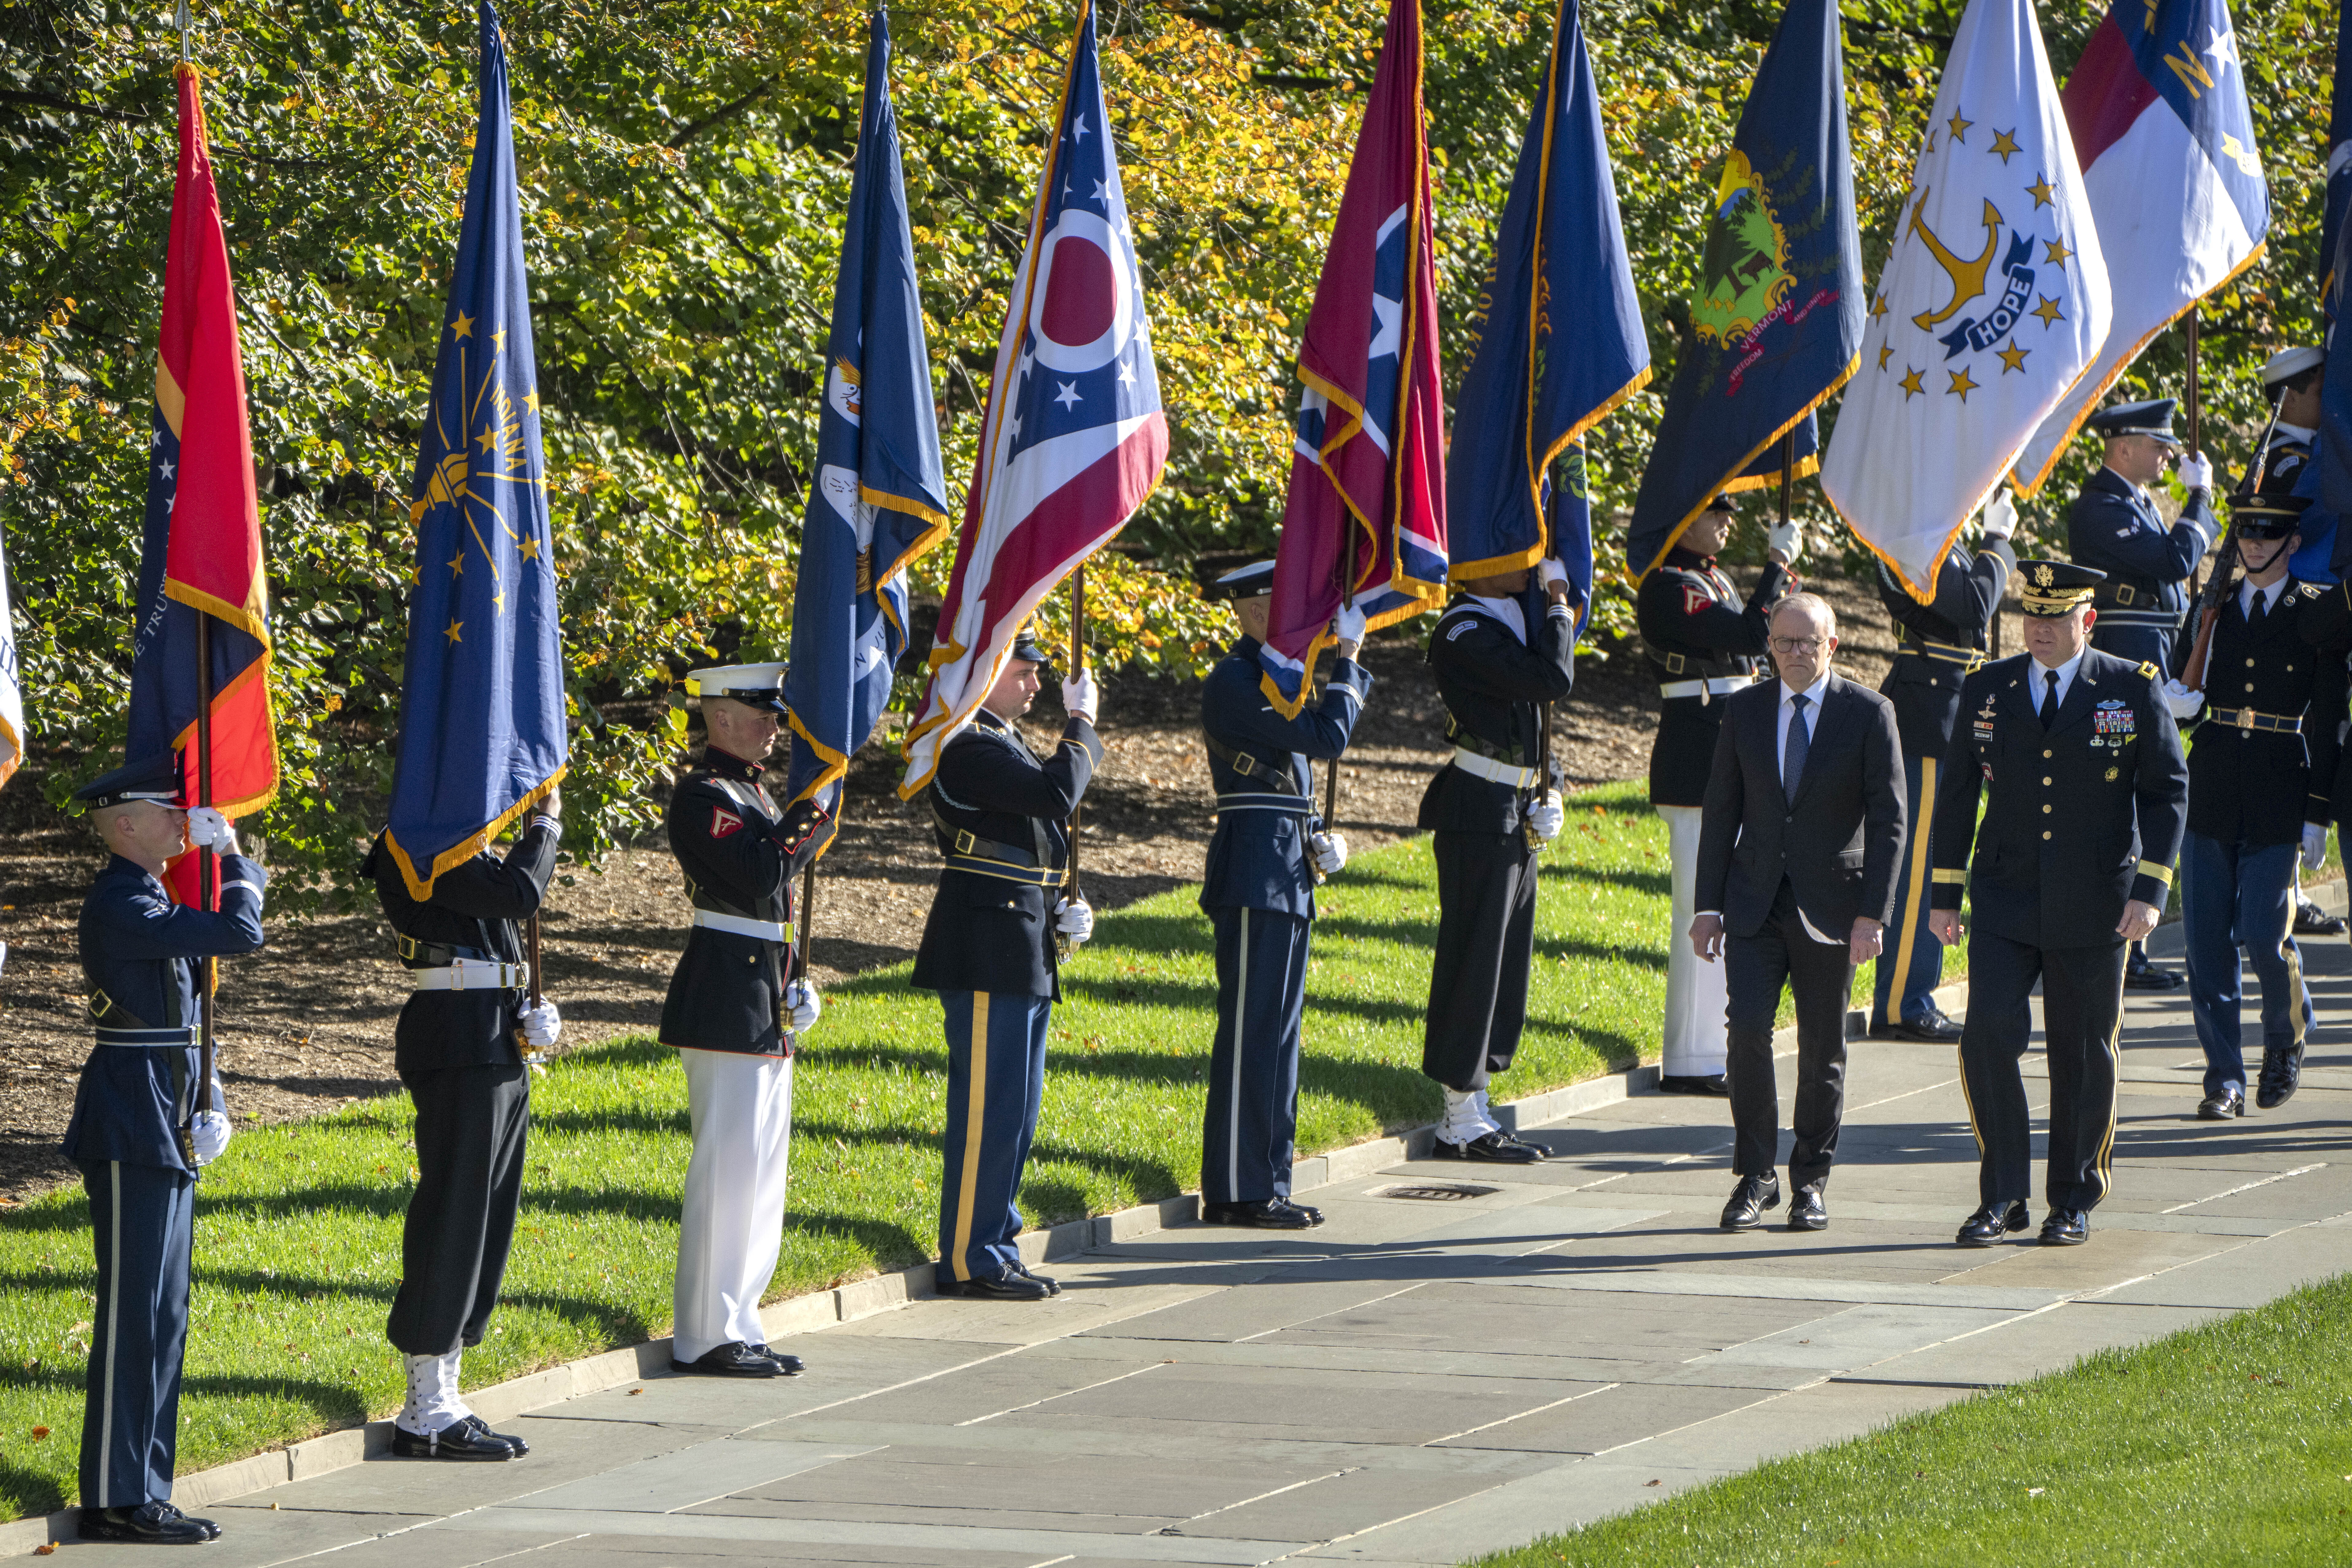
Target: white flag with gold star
(1992, 304)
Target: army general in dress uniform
(138, 1138)
(1270, 847)
(1002, 815)
(2073, 756)
(733, 1014)
(1703, 644)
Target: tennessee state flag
(1370, 452)
(202, 552)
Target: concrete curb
(847, 1303)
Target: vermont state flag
(1558, 339)
(880, 497)
(1993, 303)
(482, 706)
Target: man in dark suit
(1798, 845)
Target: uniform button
(2046, 833)
(2045, 779)
(2045, 806)
(2249, 686)
(2045, 754)
(2249, 664)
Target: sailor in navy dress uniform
(2261, 779)
(1703, 644)
(1498, 654)
(1001, 813)
(1937, 645)
(1270, 847)
(460, 1048)
(2073, 754)
(733, 1016)
(138, 1138)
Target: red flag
(1370, 452)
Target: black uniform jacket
(988, 932)
(2290, 449)
(2077, 820)
(1837, 844)
(1257, 858)
(475, 912)
(740, 852)
(1695, 629)
(2114, 527)
(140, 955)
(1492, 683)
(2257, 786)
(1923, 683)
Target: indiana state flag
(880, 495)
(482, 707)
(1074, 439)
(1370, 458)
(1778, 317)
(1993, 303)
(2165, 139)
(1559, 340)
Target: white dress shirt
(2270, 596)
(2065, 679)
(1506, 611)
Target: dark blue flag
(2326, 554)
(880, 495)
(1558, 339)
(1776, 319)
(482, 705)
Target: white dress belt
(1487, 768)
(1714, 686)
(739, 925)
(471, 975)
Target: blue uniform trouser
(996, 1080)
(1912, 958)
(1251, 1123)
(143, 1218)
(2233, 895)
(2082, 1016)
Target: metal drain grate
(1433, 1192)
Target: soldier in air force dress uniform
(2073, 754)
(138, 1138)
(733, 1014)
(1270, 847)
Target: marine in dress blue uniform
(2079, 770)
(2263, 760)
(1001, 813)
(1270, 848)
(1937, 645)
(732, 1015)
(138, 1139)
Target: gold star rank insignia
(1962, 383)
(2013, 358)
(1911, 385)
(2004, 142)
(2048, 311)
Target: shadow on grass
(890, 1246)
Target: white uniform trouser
(1697, 998)
(732, 1225)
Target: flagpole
(207, 879)
(1347, 596)
(808, 918)
(2194, 426)
(1078, 668)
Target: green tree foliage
(685, 163)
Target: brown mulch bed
(306, 1025)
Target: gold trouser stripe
(974, 1118)
(113, 1336)
(1917, 890)
(2115, 1093)
(1974, 1132)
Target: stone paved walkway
(1419, 1381)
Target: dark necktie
(1793, 754)
(2049, 698)
(2261, 608)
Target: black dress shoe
(1806, 1211)
(2145, 976)
(2066, 1227)
(156, 1523)
(786, 1365)
(2310, 920)
(1259, 1214)
(1988, 1225)
(1011, 1288)
(1496, 1148)
(2221, 1107)
(1749, 1200)
(1314, 1215)
(2282, 1076)
(482, 1429)
(467, 1439)
(1694, 1083)
(733, 1359)
(1053, 1287)
(1934, 1029)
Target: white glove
(1787, 540)
(541, 1026)
(1073, 919)
(1545, 816)
(1330, 852)
(1348, 625)
(801, 1007)
(1999, 517)
(208, 829)
(2197, 472)
(209, 1135)
(2315, 846)
(2183, 703)
(1549, 572)
(1078, 697)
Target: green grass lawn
(297, 1239)
(2229, 1443)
